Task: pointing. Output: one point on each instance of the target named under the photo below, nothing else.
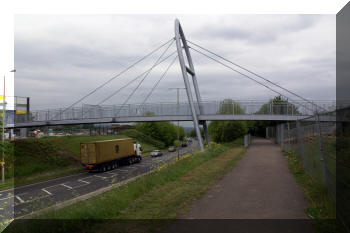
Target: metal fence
(315, 142)
(87, 111)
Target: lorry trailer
(106, 155)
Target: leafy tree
(228, 106)
(226, 131)
(181, 132)
(278, 105)
(162, 131)
(193, 133)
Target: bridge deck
(163, 118)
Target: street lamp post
(3, 132)
(177, 112)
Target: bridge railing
(87, 111)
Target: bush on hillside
(133, 133)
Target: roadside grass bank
(163, 194)
(321, 206)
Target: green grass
(160, 195)
(321, 206)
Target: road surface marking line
(124, 170)
(44, 190)
(111, 173)
(35, 199)
(103, 177)
(140, 165)
(69, 187)
(84, 181)
(20, 199)
(5, 198)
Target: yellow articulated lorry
(106, 155)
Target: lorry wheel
(104, 169)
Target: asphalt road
(27, 199)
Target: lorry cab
(137, 149)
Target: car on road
(172, 148)
(156, 153)
(184, 144)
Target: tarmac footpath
(258, 195)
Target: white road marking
(69, 187)
(32, 200)
(140, 165)
(111, 173)
(103, 177)
(46, 191)
(123, 170)
(127, 169)
(84, 181)
(6, 198)
(20, 199)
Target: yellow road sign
(21, 111)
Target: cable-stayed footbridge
(195, 109)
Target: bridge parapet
(170, 109)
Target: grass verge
(321, 206)
(163, 194)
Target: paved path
(259, 187)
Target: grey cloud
(55, 73)
(257, 35)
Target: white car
(155, 153)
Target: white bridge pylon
(181, 45)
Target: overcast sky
(60, 58)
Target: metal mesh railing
(87, 111)
(315, 143)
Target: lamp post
(177, 111)
(3, 132)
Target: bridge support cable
(145, 76)
(247, 76)
(117, 75)
(257, 75)
(133, 80)
(160, 79)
